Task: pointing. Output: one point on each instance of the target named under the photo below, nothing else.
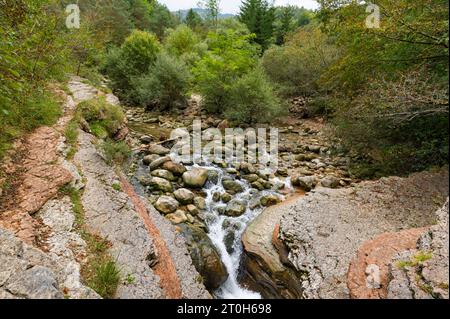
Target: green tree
(161, 19)
(230, 56)
(252, 99)
(213, 10)
(133, 59)
(193, 19)
(284, 23)
(259, 16)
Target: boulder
(184, 196)
(150, 158)
(158, 162)
(236, 208)
(195, 178)
(270, 200)
(226, 198)
(205, 256)
(330, 182)
(161, 184)
(178, 217)
(158, 149)
(305, 182)
(166, 204)
(232, 186)
(200, 203)
(161, 173)
(174, 168)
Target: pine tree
(259, 17)
(193, 19)
(285, 23)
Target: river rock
(205, 256)
(158, 162)
(146, 139)
(330, 182)
(178, 217)
(270, 200)
(232, 186)
(226, 198)
(161, 173)
(184, 196)
(158, 150)
(248, 168)
(166, 204)
(213, 177)
(251, 178)
(150, 158)
(161, 184)
(195, 178)
(236, 208)
(174, 168)
(200, 203)
(305, 182)
(192, 209)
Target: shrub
(230, 56)
(133, 59)
(115, 152)
(252, 99)
(104, 119)
(298, 66)
(166, 85)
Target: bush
(252, 99)
(298, 66)
(104, 119)
(133, 59)
(115, 152)
(166, 85)
(230, 56)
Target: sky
(232, 6)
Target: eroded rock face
(29, 273)
(423, 272)
(324, 230)
(205, 257)
(264, 271)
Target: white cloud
(232, 6)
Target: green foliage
(298, 66)
(230, 56)
(284, 23)
(135, 57)
(161, 19)
(104, 119)
(193, 20)
(115, 152)
(106, 279)
(252, 99)
(71, 135)
(259, 16)
(185, 44)
(165, 86)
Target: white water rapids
(220, 226)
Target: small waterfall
(220, 227)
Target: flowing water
(222, 227)
(226, 232)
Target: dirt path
(165, 268)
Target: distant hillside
(202, 12)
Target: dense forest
(384, 90)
